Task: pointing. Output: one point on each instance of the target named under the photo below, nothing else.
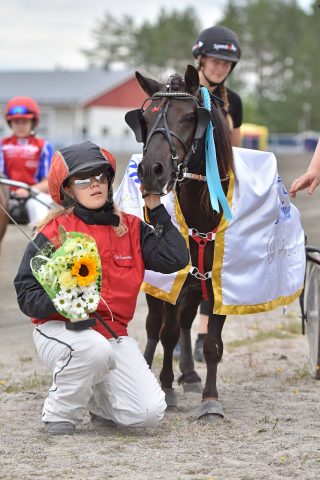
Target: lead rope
(106, 326)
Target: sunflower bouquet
(71, 274)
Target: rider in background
(217, 51)
(24, 157)
(310, 179)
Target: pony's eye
(190, 118)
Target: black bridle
(135, 120)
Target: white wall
(110, 119)
(107, 127)
(66, 125)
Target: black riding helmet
(219, 42)
(82, 159)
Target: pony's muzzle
(152, 176)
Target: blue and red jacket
(25, 159)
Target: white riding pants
(110, 379)
(36, 210)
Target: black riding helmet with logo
(218, 42)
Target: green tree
(159, 46)
(167, 43)
(274, 35)
(307, 71)
(112, 41)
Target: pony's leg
(169, 337)
(190, 380)
(153, 326)
(210, 409)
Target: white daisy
(77, 309)
(69, 293)
(92, 301)
(61, 302)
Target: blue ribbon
(212, 172)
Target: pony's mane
(176, 82)
(223, 149)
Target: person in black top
(217, 51)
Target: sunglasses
(82, 183)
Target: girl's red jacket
(123, 259)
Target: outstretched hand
(310, 180)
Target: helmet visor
(229, 57)
(19, 111)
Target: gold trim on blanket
(259, 307)
(181, 276)
(219, 252)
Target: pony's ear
(191, 79)
(147, 84)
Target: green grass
(283, 331)
(25, 359)
(157, 360)
(33, 382)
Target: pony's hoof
(191, 382)
(210, 419)
(171, 399)
(195, 387)
(210, 411)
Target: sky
(49, 34)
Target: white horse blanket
(259, 259)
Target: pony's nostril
(157, 169)
(140, 170)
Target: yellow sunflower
(85, 270)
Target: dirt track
(272, 424)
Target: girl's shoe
(98, 421)
(59, 428)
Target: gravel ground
(271, 428)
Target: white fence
(277, 142)
(293, 143)
(125, 143)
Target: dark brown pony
(4, 199)
(172, 127)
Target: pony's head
(171, 123)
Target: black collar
(101, 216)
